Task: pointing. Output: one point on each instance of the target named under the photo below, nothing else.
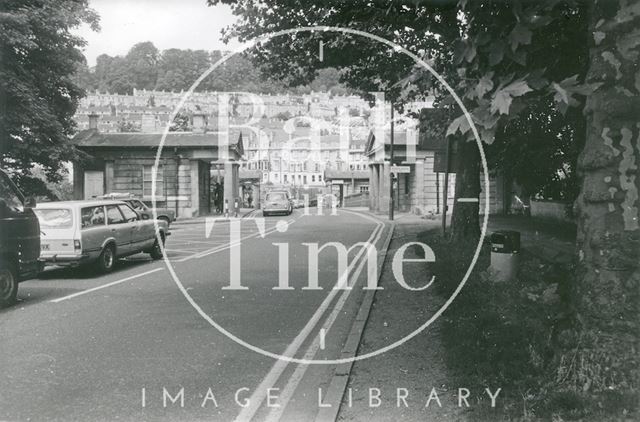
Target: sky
(167, 23)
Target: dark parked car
(140, 207)
(19, 240)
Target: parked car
(96, 231)
(19, 240)
(164, 214)
(298, 203)
(277, 202)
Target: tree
(181, 123)
(607, 288)
(39, 57)
(539, 150)
(178, 69)
(504, 70)
(142, 61)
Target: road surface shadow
(89, 271)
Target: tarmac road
(123, 346)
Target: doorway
(93, 184)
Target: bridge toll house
(419, 172)
(194, 175)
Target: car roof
(77, 204)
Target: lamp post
(391, 173)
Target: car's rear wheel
(156, 250)
(8, 285)
(107, 259)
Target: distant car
(95, 231)
(298, 203)
(19, 240)
(277, 202)
(164, 214)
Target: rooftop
(92, 138)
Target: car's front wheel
(8, 285)
(156, 250)
(107, 259)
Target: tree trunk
(607, 286)
(465, 221)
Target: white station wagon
(100, 231)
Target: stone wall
(426, 190)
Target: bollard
(505, 253)
(235, 207)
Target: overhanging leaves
(503, 97)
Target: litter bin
(505, 253)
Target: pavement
(410, 380)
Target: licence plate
(44, 247)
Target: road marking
(278, 368)
(468, 200)
(229, 245)
(292, 384)
(104, 286)
(181, 250)
(197, 241)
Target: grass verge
(519, 336)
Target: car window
(278, 196)
(92, 216)
(128, 213)
(10, 201)
(137, 205)
(58, 218)
(114, 216)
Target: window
(137, 205)
(276, 196)
(10, 201)
(114, 216)
(319, 178)
(147, 172)
(313, 177)
(304, 179)
(58, 218)
(364, 189)
(129, 214)
(92, 216)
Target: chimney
(148, 124)
(93, 121)
(199, 123)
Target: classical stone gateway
(421, 188)
(190, 166)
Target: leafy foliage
(38, 92)
(144, 67)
